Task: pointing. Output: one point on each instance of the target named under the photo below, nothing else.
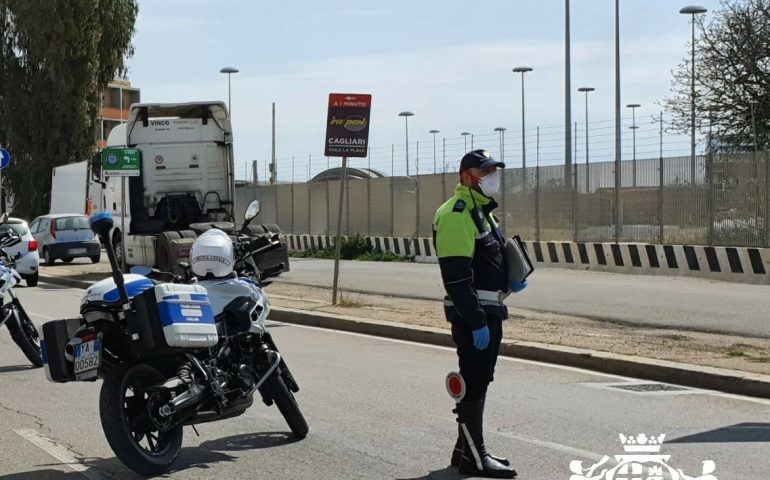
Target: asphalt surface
(378, 410)
(687, 303)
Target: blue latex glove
(481, 338)
(517, 287)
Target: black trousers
(477, 367)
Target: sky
(447, 61)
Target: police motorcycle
(174, 351)
(12, 314)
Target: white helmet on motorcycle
(212, 254)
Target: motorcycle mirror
(4, 217)
(141, 270)
(252, 210)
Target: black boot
(474, 459)
(502, 460)
(458, 451)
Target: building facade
(116, 100)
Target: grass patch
(347, 302)
(354, 247)
(735, 353)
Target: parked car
(65, 236)
(24, 253)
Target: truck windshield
(72, 223)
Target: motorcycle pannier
(56, 334)
(174, 315)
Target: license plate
(76, 251)
(88, 357)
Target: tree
(732, 78)
(56, 57)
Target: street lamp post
(229, 71)
(501, 131)
(692, 10)
(567, 98)
(633, 127)
(465, 136)
(618, 178)
(587, 90)
(522, 71)
(434, 132)
(406, 115)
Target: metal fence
(659, 202)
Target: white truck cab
(186, 178)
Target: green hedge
(355, 247)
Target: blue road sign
(6, 160)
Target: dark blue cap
(479, 159)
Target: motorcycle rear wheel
(287, 405)
(127, 425)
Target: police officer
(469, 244)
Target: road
(378, 410)
(687, 303)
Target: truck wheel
(163, 250)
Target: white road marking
(451, 349)
(60, 453)
(732, 396)
(575, 452)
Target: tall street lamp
(692, 10)
(633, 127)
(522, 71)
(465, 136)
(618, 153)
(501, 130)
(434, 132)
(229, 71)
(567, 99)
(587, 90)
(406, 116)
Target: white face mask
(490, 184)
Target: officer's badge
(459, 206)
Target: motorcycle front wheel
(24, 334)
(287, 405)
(132, 435)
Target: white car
(24, 253)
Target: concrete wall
(731, 264)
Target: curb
(710, 378)
(695, 376)
(64, 281)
